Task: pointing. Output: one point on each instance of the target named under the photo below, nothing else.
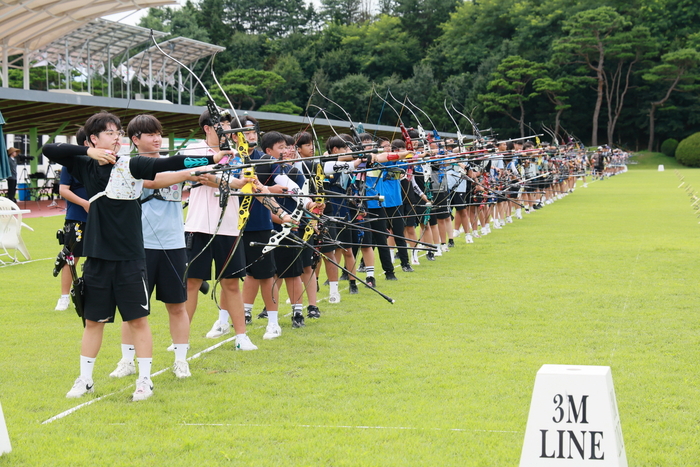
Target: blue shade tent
(4, 163)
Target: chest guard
(122, 185)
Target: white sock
(223, 316)
(272, 317)
(65, 296)
(334, 287)
(181, 351)
(238, 336)
(369, 271)
(128, 352)
(248, 307)
(87, 364)
(298, 307)
(145, 367)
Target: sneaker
(371, 282)
(243, 343)
(497, 224)
(219, 329)
(438, 252)
(298, 320)
(362, 267)
(445, 248)
(171, 348)
(518, 214)
(273, 331)
(468, 238)
(181, 369)
(484, 232)
(248, 317)
(327, 283)
(80, 388)
(538, 206)
(353, 289)
(430, 256)
(455, 233)
(263, 314)
(144, 388)
(62, 304)
(123, 369)
(407, 268)
(451, 243)
(509, 220)
(334, 298)
(415, 261)
(313, 312)
(475, 234)
(390, 276)
(343, 276)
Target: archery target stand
(573, 419)
(661, 167)
(5, 445)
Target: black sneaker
(390, 276)
(263, 314)
(298, 320)
(407, 268)
(430, 256)
(343, 276)
(313, 312)
(538, 206)
(371, 282)
(362, 266)
(249, 317)
(451, 243)
(353, 289)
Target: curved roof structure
(28, 25)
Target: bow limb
(296, 216)
(404, 132)
(353, 129)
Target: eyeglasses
(112, 133)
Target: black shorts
(458, 200)
(165, 271)
(441, 208)
(218, 251)
(259, 266)
(307, 257)
(288, 260)
(115, 284)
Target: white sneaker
(468, 238)
(488, 228)
(509, 220)
(181, 369)
(62, 304)
(445, 248)
(144, 388)
(80, 388)
(219, 329)
(484, 232)
(497, 224)
(415, 261)
(243, 343)
(518, 214)
(123, 369)
(171, 348)
(334, 298)
(455, 234)
(585, 185)
(439, 251)
(475, 233)
(273, 331)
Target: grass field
(605, 276)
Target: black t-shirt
(113, 230)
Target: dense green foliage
(669, 146)
(688, 151)
(616, 72)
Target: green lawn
(443, 377)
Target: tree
(627, 50)
(352, 94)
(342, 11)
(556, 90)
(269, 17)
(678, 71)
(589, 34)
(248, 85)
(509, 88)
(421, 18)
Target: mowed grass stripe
(603, 277)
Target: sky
(133, 17)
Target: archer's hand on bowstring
(223, 155)
(102, 156)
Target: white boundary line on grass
(6, 265)
(85, 404)
(358, 427)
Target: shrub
(669, 146)
(688, 151)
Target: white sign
(573, 419)
(5, 445)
